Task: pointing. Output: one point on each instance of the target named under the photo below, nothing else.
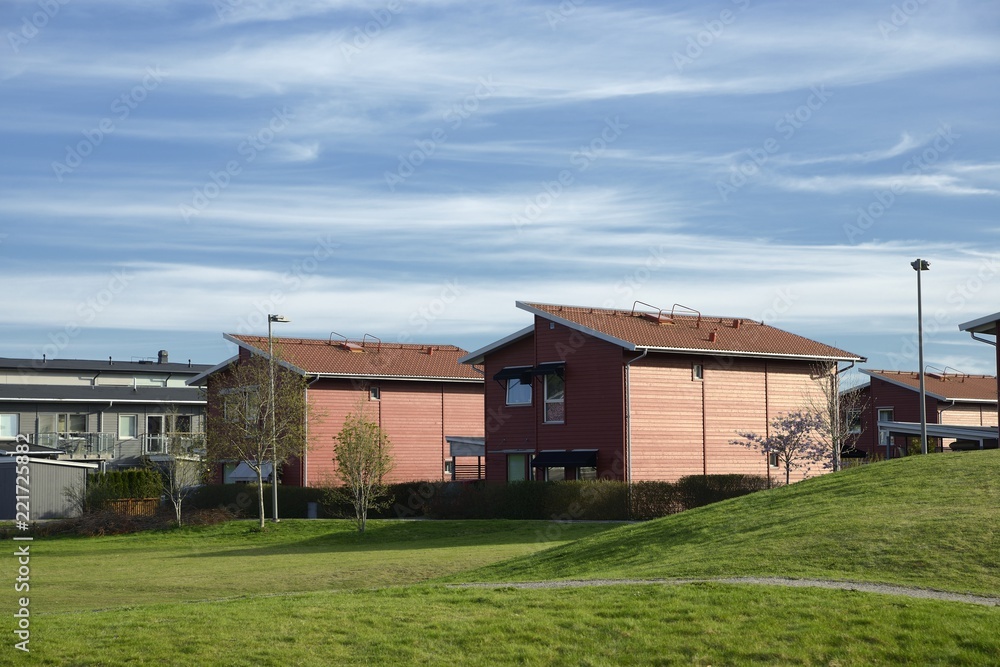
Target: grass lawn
(230, 560)
(930, 521)
(316, 593)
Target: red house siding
(415, 415)
(679, 425)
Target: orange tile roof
(945, 387)
(689, 333)
(367, 359)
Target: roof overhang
(633, 347)
(264, 353)
(979, 433)
(465, 445)
(934, 395)
(408, 378)
(983, 325)
(201, 378)
(476, 357)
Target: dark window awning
(550, 368)
(568, 459)
(521, 373)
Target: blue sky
(175, 170)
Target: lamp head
(920, 265)
(277, 318)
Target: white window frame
(122, 432)
(854, 420)
(6, 419)
(884, 439)
(560, 401)
(513, 383)
(772, 460)
(374, 393)
(697, 372)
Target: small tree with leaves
(363, 459)
(241, 417)
(793, 440)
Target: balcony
(183, 444)
(80, 445)
(107, 445)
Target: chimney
(161, 357)
(711, 337)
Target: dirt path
(884, 589)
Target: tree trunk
(260, 496)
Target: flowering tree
(794, 440)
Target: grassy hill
(931, 521)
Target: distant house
(118, 413)
(419, 394)
(955, 399)
(641, 394)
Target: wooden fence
(133, 506)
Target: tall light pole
(270, 398)
(920, 265)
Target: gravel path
(885, 589)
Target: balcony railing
(102, 445)
(109, 446)
(185, 444)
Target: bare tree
(243, 421)
(182, 465)
(840, 411)
(363, 459)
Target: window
(517, 467)
(555, 474)
(517, 393)
(772, 459)
(69, 423)
(854, 421)
(697, 372)
(9, 426)
(375, 393)
(180, 424)
(586, 473)
(449, 467)
(555, 394)
(128, 426)
(884, 415)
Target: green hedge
(122, 484)
(549, 501)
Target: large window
(517, 393)
(555, 395)
(9, 426)
(884, 415)
(128, 427)
(854, 421)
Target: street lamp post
(270, 398)
(920, 265)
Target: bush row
(121, 484)
(582, 500)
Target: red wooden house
(639, 395)
(419, 394)
(893, 397)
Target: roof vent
(712, 336)
(737, 323)
(162, 357)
